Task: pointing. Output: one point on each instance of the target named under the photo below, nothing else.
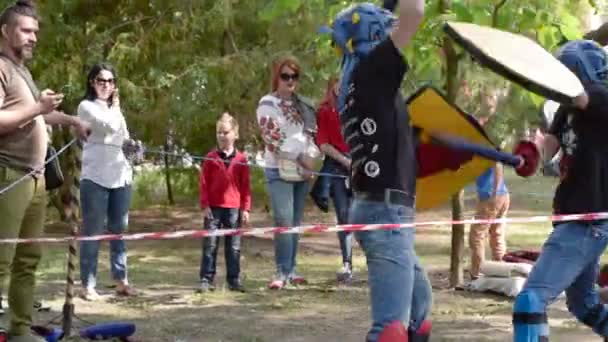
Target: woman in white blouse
(288, 123)
(105, 181)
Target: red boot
(393, 332)
(423, 334)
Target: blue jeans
(569, 261)
(399, 287)
(100, 207)
(223, 218)
(287, 200)
(342, 196)
(321, 187)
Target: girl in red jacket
(225, 198)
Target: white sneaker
(345, 273)
(90, 294)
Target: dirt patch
(169, 310)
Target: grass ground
(166, 273)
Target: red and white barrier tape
(317, 228)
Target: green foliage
(149, 187)
(182, 63)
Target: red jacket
(328, 128)
(225, 186)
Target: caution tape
(315, 228)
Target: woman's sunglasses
(286, 77)
(109, 81)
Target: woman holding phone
(105, 185)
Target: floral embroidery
(290, 112)
(271, 134)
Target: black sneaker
(321, 203)
(237, 287)
(205, 286)
(345, 273)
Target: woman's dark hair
(21, 7)
(90, 93)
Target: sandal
(125, 291)
(276, 285)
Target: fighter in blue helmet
(374, 122)
(569, 260)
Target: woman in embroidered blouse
(105, 185)
(288, 124)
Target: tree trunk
(451, 72)
(457, 252)
(168, 174)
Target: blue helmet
(586, 59)
(356, 31)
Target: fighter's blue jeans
(569, 261)
(399, 287)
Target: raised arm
(411, 13)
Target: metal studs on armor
(372, 169)
(368, 126)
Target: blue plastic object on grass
(49, 334)
(108, 330)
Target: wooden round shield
(518, 59)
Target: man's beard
(24, 52)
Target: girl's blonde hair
(229, 119)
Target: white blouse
(103, 161)
(282, 131)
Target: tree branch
(495, 12)
(126, 23)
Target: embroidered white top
(282, 130)
(103, 161)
